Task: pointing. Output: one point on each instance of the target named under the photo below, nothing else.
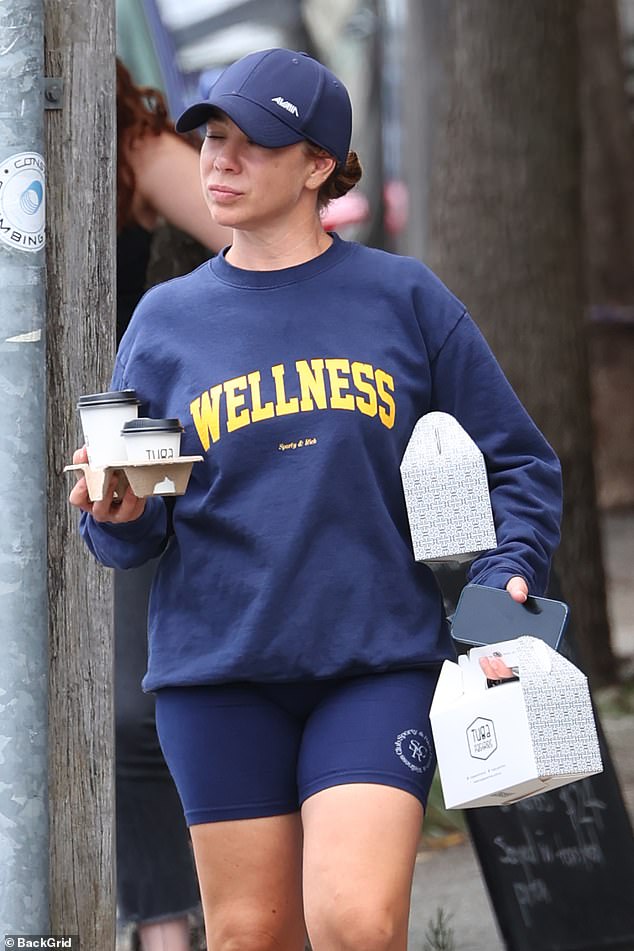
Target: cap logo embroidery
(285, 104)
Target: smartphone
(486, 615)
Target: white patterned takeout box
(499, 744)
(446, 492)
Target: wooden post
(81, 154)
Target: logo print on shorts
(414, 749)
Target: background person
(158, 182)
(294, 641)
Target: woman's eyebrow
(218, 118)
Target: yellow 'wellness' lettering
(311, 381)
(238, 402)
(258, 411)
(283, 407)
(383, 380)
(234, 400)
(359, 370)
(337, 384)
(205, 412)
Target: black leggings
(156, 878)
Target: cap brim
(257, 123)
(193, 117)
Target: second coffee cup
(152, 440)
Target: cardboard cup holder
(169, 477)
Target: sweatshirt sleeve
(128, 544)
(524, 472)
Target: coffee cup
(152, 440)
(102, 416)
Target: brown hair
(341, 179)
(141, 111)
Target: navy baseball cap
(278, 97)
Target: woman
(156, 881)
(294, 641)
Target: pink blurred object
(396, 206)
(350, 209)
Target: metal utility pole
(81, 150)
(23, 658)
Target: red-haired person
(158, 180)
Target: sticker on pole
(22, 206)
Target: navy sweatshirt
(289, 555)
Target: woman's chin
(224, 217)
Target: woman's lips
(223, 193)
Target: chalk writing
(576, 844)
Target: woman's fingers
(127, 508)
(80, 455)
(79, 493)
(485, 664)
(131, 507)
(79, 496)
(495, 668)
(518, 589)
(102, 511)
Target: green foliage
(616, 701)
(439, 822)
(439, 936)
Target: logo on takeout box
(481, 738)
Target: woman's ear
(322, 167)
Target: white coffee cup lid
(144, 425)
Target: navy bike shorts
(248, 750)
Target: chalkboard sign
(559, 867)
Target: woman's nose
(227, 156)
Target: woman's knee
(245, 934)
(352, 925)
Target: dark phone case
(487, 615)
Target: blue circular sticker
(22, 201)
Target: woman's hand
(495, 669)
(109, 509)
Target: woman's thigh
(366, 764)
(249, 873)
(360, 843)
(233, 755)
